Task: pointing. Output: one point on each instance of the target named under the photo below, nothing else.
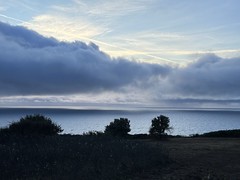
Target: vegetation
(160, 124)
(93, 133)
(32, 125)
(222, 133)
(27, 153)
(77, 157)
(119, 127)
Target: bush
(93, 133)
(33, 125)
(223, 133)
(160, 124)
(120, 127)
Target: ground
(201, 158)
(104, 157)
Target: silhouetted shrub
(33, 125)
(119, 127)
(160, 124)
(93, 133)
(138, 136)
(222, 133)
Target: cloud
(209, 78)
(65, 28)
(32, 64)
(48, 70)
(149, 46)
(20, 36)
(13, 19)
(112, 8)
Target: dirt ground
(201, 158)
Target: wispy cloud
(159, 36)
(27, 5)
(179, 47)
(14, 19)
(112, 8)
(64, 28)
(96, 21)
(150, 46)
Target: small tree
(160, 124)
(34, 124)
(120, 127)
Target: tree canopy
(119, 127)
(160, 124)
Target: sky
(138, 53)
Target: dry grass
(201, 158)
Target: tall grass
(76, 157)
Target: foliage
(33, 125)
(222, 133)
(78, 157)
(119, 127)
(160, 124)
(138, 136)
(93, 133)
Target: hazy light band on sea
(184, 122)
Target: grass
(77, 157)
(96, 156)
(201, 158)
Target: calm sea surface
(184, 122)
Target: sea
(184, 122)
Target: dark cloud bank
(31, 64)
